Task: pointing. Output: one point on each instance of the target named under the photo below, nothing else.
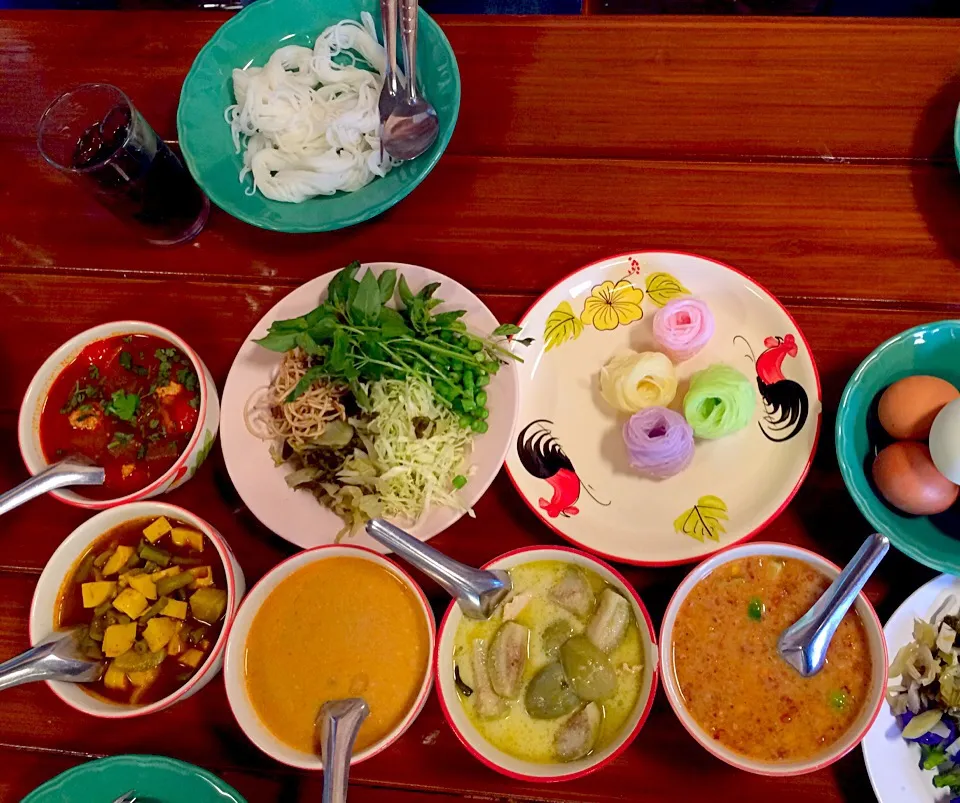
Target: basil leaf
(290, 325)
(392, 323)
(308, 344)
(311, 376)
(524, 341)
(428, 290)
(278, 342)
(337, 360)
(444, 319)
(387, 282)
(405, 295)
(367, 303)
(505, 330)
(338, 292)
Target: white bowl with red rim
(185, 466)
(875, 640)
(235, 657)
(509, 765)
(64, 559)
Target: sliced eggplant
(508, 658)
(609, 623)
(554, 635)
(578, 735)
(588, 669)
(489, 705)
(549, 695)
(573, 593)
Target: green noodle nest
(720, 401)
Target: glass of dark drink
(96, 135)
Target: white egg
(945, 441)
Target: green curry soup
(555, 673)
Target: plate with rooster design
(568, 459)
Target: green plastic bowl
(154, 778)
(250, 37)
(931, 348)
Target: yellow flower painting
(611, 305)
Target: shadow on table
(936, 188)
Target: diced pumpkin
(208, 604)
(175, 608)
(95, 594)
(191, 658)
(202, 577)
(158, 632)
(154, 532)
(169, 572)
(183, 536)
(144, 585)
(143, 679)
(113, 678)
(131, 602)
(175, 646)
(117, 560)
(117, 639)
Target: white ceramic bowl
(208, 421)
(66, 556)
(233, 672)
(878, 654)
(503, 762)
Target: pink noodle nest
(682, 327)
(659, 442)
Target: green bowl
(250, 37)
(931, 348)
(154, 778)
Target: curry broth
(340, 627)
(733, 681)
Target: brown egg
(908, 479)
(908, 407)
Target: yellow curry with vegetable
(148, 599)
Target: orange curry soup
(340, 627)
(734, 683)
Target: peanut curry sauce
(733, 681)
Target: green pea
(480, 398)
(479, 426)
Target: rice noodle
(308, 125)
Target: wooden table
(814, 155)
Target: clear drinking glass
(96, 135)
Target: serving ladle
(337, 725)
(52, 660)
(477, 591)
(74, 470)
(804, 644)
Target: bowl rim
(813, 448)
(627, 739)
(844, 442)
(745, 763)
(231, 208)
(59, 360)
(307, 556)
(233, 604)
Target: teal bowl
(956, 137)
(154, 778)
(250, 38)
(931, 348)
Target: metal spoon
(804, 644)
(477, 591)
(391, 81)
(337, 726)
(51, 660)
(412, 125)
(69, 471)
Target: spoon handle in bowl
(408, 39)
(339, 722)
(59, 475)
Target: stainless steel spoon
(412, 125)
(804, 644)
(69, 471)
(477, 591)
(390, 91)
(51, 660)
(337, 726)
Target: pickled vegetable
(507, 658)
(609, 623)
(587, 669)
(167, 585)
(549, 695)
(208, 604)
(573, 592)
(579, 733)
(133, 661)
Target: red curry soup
(734, 683)
(149, 599)
(130, 403)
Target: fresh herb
(838, 699)
(120, 439)
(188, 378)
(755, 609)
(354, 338)
(123, 405)
(156, 436)
(154, 423)
(194, 402)
(78, 396)
(126, 360)
(932, 757)
(166, 357)
(93, 372)
(142, 451)
(951, 779)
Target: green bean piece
(482, 413)
(123, 619)
(141, 647)
(468, 405)
(197, 635)
(153, 610)
(97, 629)
(133, 561)
(483, 380)
(480, 398)
(465, 421)
(474, 345)
(158, 556)
(168, 585)
(181, 594)
(101, 559)
(150, 567)
(468, 380)
(459, 481)
(84, 569)
(177, 560)
(479, 426)
(102, 608)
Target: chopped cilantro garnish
(120, 439)
(93, 372)
(123, 405)
(154, 423)
(142, 451)
(126, 360)
(194, 402)
(188, 378)
(77, 397)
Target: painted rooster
(543, 457)
(785, 402)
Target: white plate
(892, 763)
(735, 485)
(296, 515)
